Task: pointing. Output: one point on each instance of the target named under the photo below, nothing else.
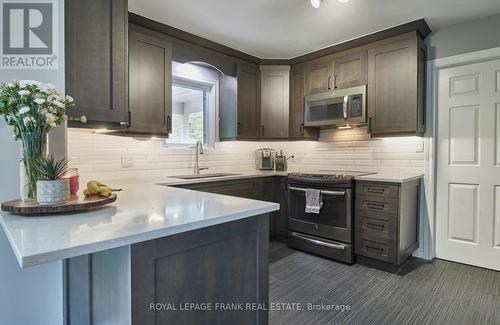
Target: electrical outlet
(419, 147)
(127, 162)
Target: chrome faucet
(199, 151)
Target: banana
(96, 187)
(105, 191)
(93, 187)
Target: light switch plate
(127, 162)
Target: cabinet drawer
(379, 226)
(377, 249)
(377, 205)
(377, 189)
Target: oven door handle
(317, 242)
(337, 193)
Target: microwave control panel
(356, 105)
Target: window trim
(210, 123)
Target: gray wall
(33, 295)
(466, 37)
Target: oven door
(326, 109)
(334, 220)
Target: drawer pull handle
(377, 250)
(375, 226)
(375, 190)
(377, 206)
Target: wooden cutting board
(74, 204)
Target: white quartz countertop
(390, 177)
(143, 211)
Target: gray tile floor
(438, 292)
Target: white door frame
(428, 224)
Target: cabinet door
(268, 193)
(96, 60)
(275, 108)
(282, 199)
(228, 118)
(350, 70)
(296, 117)
(248, 101)
(247, 188)
(318, 75)
(150, 83)
(393, 88)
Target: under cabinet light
(315, 3)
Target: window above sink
(194, 105)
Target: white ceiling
(289, 28)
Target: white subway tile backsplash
(101, 156)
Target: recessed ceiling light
(315, 3)
(343, 1)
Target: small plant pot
(52, 192)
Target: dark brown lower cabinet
(248, 188)
(171, 280)
(221, 264)
(268, 193)
(272, 189)
(282, 213)
(386, 221)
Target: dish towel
(314, 202)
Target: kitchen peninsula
(155, 245)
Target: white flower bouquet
(33, 109)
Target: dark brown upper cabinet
(318, 75)
(248, 101)
(96, 61)
(150, 71)
(274, 104)
(395, 98)
(239, 105)
(350, 69)
(297, 131)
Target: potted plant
(33, 109)
(52, 187)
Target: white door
(468, 170)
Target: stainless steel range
(330, 232)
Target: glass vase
(34, 148)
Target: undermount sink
(204, 175)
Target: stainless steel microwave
(336, 107)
